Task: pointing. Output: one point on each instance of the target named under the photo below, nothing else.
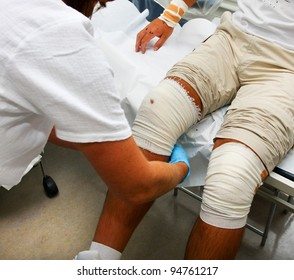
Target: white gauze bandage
(164, 115)
(233, 177)
(174, 12)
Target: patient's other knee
(234, 174)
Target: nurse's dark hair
(85, 7)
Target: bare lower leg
(118, 221)
(207, 242)
(119, 218)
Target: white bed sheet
(136, 74)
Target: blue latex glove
(179, 155)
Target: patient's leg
(235, 172)
(207, 242)
(119, 218)
(167, 112)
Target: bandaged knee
(233, 177)
(164, 115)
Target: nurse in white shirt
(56, 84)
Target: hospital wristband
(174, 12)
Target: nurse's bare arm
(126, 171)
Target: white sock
(88, 255)
(105, 252)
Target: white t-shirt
(269, 19)
(52, 73)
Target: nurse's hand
(179, 155)
(156, 28)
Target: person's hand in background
(156, 28)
